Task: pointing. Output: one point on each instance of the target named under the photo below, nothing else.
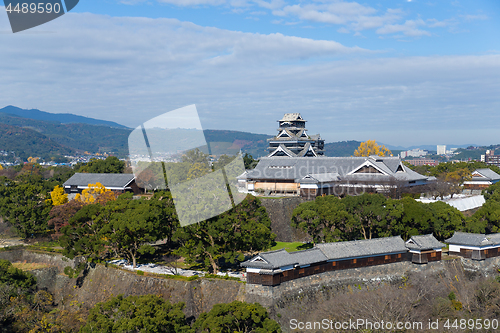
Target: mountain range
(63, 118)
(47, 135)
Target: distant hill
(74, 137)
(64, 118)
(230, 142)
(45, 134)
(26, 142)
(341, 148)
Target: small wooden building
(482, 179)
(474, 246)
(116, 182)
(274, 267)
(424, 248)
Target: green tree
(241, 229)
(324, 219)
(368, 212)
(82, 235)
(24, 204)
(445, 220)
(236, 317)
(110, 165)
(142, 314)
(122, 227)
(132, 225)
(15, 277)
(249, 161)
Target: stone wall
(280, 212)
(100, 283)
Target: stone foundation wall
(280, 212)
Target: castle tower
(292, 139)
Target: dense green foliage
(24, 204)
(225, 237)
(329, 219)
(109, 165)
(144, 314)
(487, 218)
(444, 168)
(236, 317)
(122, 227)
(9, 275)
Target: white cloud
(132, 69)
(469, 18)
(409, 28)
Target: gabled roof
(424, 242)
(271, 260)
(299, 167)
(487, 174)
(307, 148)
(465, 238)
(106, 179)
(284, 149)
(363, 248)
(319, 178)
(281, 258)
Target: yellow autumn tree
(58, 196)
(197, 170)
(1, 167)
(90, 194)
(371, 147)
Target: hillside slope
(26, 142)
(64, 118)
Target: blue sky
(400, 72)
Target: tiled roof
(281, 258)
(319, 178)
(272, 260)
(292, 117)
(295, 168)
(307, 257)
(465, 238)
(106, 179)
(488, 173)
(424, 242)
(363, 248)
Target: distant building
(491, 158)
(116, 182)
(292, 139)
(422, 161)
(441, 149)
(417, 152)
